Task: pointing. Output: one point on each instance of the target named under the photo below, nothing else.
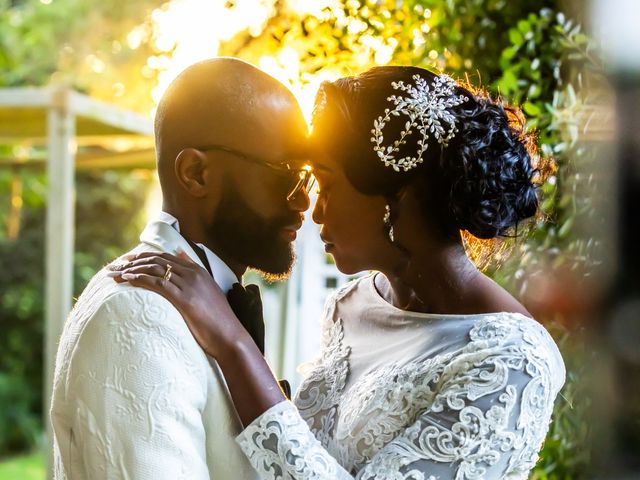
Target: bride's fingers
(184, 256)
(151, 269)
(167, 289)
(147, 260)
(167, 257)
(158, 265)
(121, 266)
(162, 260)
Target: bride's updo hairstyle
(467, 154)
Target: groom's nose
(300, 201)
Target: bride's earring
(387, 221)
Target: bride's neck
(434, 280)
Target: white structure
(58, 123)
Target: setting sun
(188, 31)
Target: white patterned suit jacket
(134, 396)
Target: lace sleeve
(488, 415)
(464, 436)
(280, 445)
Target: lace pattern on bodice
(320, 396)
(478, 412)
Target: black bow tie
(247, 305)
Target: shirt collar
(222, 274)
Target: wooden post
(59, 239)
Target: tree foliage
(81, 44)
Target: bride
(429, 370)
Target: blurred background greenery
(533, 53)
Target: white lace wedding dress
(401, 395)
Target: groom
(134, 395)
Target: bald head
(224, 101)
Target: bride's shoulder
(516, 331)
(350, 288)
(509, 327)
(338, 300)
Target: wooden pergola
(62, 130)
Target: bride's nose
(318, 210)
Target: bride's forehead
(323, 165)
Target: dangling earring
(387, 221)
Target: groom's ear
(193, 171)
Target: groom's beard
(242, 235)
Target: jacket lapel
(167, 239)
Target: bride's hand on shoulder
(190, 289)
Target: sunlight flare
(188, 31)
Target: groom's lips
(290, 231)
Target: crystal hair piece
(428, 109)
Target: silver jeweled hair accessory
(428, 110)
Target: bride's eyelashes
(324, 190)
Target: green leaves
(516, 37)
(19, 428)
(532, 109)
(81, 44)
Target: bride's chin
(344, 266)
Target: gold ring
(167, 274)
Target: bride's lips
(328, 246)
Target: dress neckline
(373, 290)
